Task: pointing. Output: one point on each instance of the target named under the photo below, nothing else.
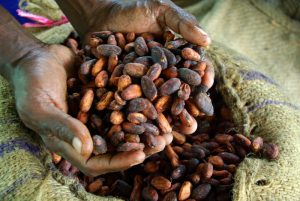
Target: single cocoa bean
(242, 140)
(131, 92)
(117, 138)
(154, 71)
(189, 76)
(101, 79)
(99, 66)
(192, 108)
(145, 60)
(178, 172)
(135, 69)
(177, 106)
(133, 128)
(112, 62)
(140, 46)
(130, 37)
(117, 117)
(149, 194)
(150, 111)
(149, 88)
(185, 191)
(136, 118)
(124, 82)
(223, 138)
(111, 40)
(107, 50)
(190, 54)
(121, 41)
(170, 86)
(87, 101)
(136, 194)
(171, 72)
(150, 128)
(257, 145)
(204, 103)
(201, 191)
(163, 123)
(158, 56)
(128, 146)
(138, 105)
(132, 138)
(216, 161)
(270, 151)
(105, 100)
(100, 146)
(174, 44)
(171, 196)
(161, 183)
(163, 103)
(178, 137)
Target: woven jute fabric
(259, 108)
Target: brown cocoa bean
(151, 167)
(107, 50)
(216, 161)
(192, 108)
(124, 82)
(100, 92)
(177, 106)
(170, 72)
(105, 100)
(117, 138)
(163, 103)
(189, 76)
(130, 37)
(186, 118)
(170, 57)
(242, 140)
(229, 157)
(128, 146)
(223, 138)
(270, 151)
(159, 82)
(115, 106)
(204, 103)
(152, 44)
(99, 66)
(145, 60)
(172, 156)
(117, 117)
(137, 105)
(95, 186)
(149, 88)
(129, 47)
(150, 128)
(154, 71)
(178, 137)
(163, 123)
(116, 73)
(178, 172)
(257, 145)
(201, 191)
(84, 70)
(96, 122)
(136, 194)
(184, 92)
(190, 54)
(209, 76)
(147, 36)
(149, 194)
(150, 111)
(158, 56)
(119, 99)
(170, 87)
(87, 101)
(93, 41)
(150, 140)
(113, 129)
(131, 92)
(140, 46)
(101, 79)
(111, 40)
(185, 191)
(101, 34)
(83, 117)
(161, 183)
(133, 128)
(55, 158)
(220, 174)
(100, 146)
(112, 62)
(121, 41)
(174, 44)
(135, 70)
(171, 196)
(168, 36)
(137, 118)
(132, 138)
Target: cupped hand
(39, 81)
(139, 16)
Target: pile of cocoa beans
(135, 98)
(131, 88)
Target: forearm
(16, 42)
(79, 12)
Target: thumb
(68, 129)
(184, 24)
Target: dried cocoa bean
(130, 37)
(112, 62)
(189, 76)
(257, 145)
(117, 117)
(271, 151)
(170, 87)
(185, 191)
(190, 54)
(131, 92)
(133, 128)
(140, 46)
(177, 106)
(161, 183)
(145, 60)
(87, 100)
(171, 72)
(150, 128)
(100, 146)
(137, 105)
(128, 146)
(174, 44)
(105, 100)
(149, 88)
(137, 118)
(99, 66)
(149, 194)
(163, 123)
(135, 70)
(242, 140)
(101, 79)
(154, 71)
(111, 40)
(163, 103)
(204, 103)
(124, 82)
(201, 191)
(158, 56)
(107, 50)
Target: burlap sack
(258, 106)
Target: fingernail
(206, 38)
(77, 144)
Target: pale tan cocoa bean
(178, 137)
(99, 66)
(119, 99)
(101, 79)
(117, 117)
(121, 41)
(130, 37)
(185, 191)
(163, 123)
(87, 101)
(137, 118)
(124, 82)
(190, 54)
(105, 100)
(172, 156)
(163, 103)
(131, 92)
(112, 62)
(83, 117)
(136, 70)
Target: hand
(39, 80)
(145, 16)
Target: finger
(161, 143)
(184, 24)
(103, 164)
(168, 138)
(68, 129)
